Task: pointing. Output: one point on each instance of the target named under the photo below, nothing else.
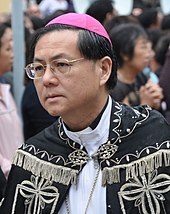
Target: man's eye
(61, 64)
(38, 68)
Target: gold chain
(90, 196)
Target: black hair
(145, 4)
(117, 20)
(3, 28)
(148, 17)
(37, 22)
(91, 45)
(55, 14)
(165, 24)
(162, 48)
(123, 38)
(99, 9)
(154, 35)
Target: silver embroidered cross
(37, 193)
(147, 192)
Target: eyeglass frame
(69, 62)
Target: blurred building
(5, 6)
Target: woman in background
(11, 136)
(130, 42)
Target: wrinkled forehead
(60, 37)
(57, 29)
(57, 44)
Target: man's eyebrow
(57, 56)
(37, 60)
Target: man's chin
(55, 112)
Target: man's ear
(105, 69)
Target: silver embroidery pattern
(147, 150)
(37, 194)
(137, 115)
(42, 153)
(78, 157)
(147, 193)
(106, 151)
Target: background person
(134, 53)
(11, 136)
(102, 10)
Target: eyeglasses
(36, 70)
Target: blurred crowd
(141, 41)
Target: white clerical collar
(96, 137)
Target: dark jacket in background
(2, 184)
(35, 117)
(164, 81)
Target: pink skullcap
(82, 21)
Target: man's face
(73, 93)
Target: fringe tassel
(137, 168)
(47, 170)
(110, 176)
(167, 159)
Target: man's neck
(87, 119)
(96, 121)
